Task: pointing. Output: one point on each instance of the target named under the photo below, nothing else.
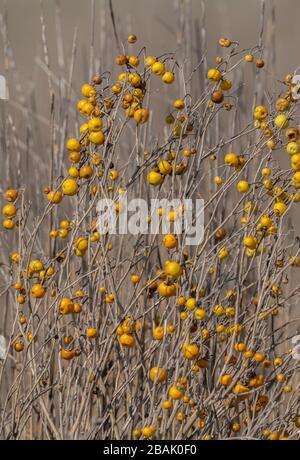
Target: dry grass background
(38, 74)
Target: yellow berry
(281, 121)
(69, 187)
(158, 68)
(154, 178)
(214, 74)
(243, 186)
(73, 145)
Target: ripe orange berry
(86, 172)
(22, 320)
(95, 124)
(127, 340)
(158, 333)
(158, 374)
(73, 145)
(240, 347)
(54, 197)
(175, 393)
(38, 291)
(19, 346)
(8, 224)
(236, 427)
(250, 242)
(148, 431)
(259, 357)
(9, 210)
(68, 354)
(173, 269)
(91, 332)
(167, 404)
(226, 379)
(66, 306)
(74, 157)
(135, 279)
(141, 115)
(21, 299)
(191, 351)
(170, 241)
(11, 195)
(179, 104)
(97, 137)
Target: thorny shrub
(139, 335)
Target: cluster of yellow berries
(9, 211)
(188, 331)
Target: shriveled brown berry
(255, 301)
(97, 112)
(132, 39)
(217, 96)
(259, 63)
(288, 78)
(225, 42)
(46, 189)
(227, 106)
(97, 80)
(292, 134)
(121, 59)
(268, 132)
(282, 104)
(220, 233)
